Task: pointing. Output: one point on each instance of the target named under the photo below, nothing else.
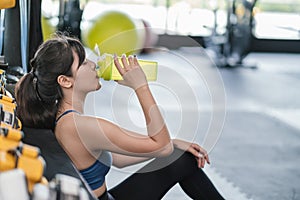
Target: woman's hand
(131, 71)
(199, 153)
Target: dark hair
(38, 93)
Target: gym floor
(254, 142)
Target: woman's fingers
(131, 61)
(131, 72)
(203, 162)
(135, 60)
(127, 63)
(200, 161)
(200, 154)
(118, 65)
(202, 151)
(194, 151)
(205, 155)
(207, 158)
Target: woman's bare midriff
(99, 191)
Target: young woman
(52, 96)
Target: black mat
(57, 161)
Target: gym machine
(231, 47)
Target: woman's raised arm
(103, 134)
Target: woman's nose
(94, 66)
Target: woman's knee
(184, 159)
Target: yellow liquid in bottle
(108, 71)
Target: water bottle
(107, 70)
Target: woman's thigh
(155, 179)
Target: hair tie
(34, 82)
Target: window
(273, 19)
(276, 19)
(189, 17)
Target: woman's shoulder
(75, 123)
(90, 119)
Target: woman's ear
(65, 81)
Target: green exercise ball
(113, 32)
(47, 27)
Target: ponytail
(32, 110)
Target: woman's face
(85, 76)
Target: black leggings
(180, 167)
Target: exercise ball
(113, 32)
(47, 27)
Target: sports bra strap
(64, 113)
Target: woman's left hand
(195, 149)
